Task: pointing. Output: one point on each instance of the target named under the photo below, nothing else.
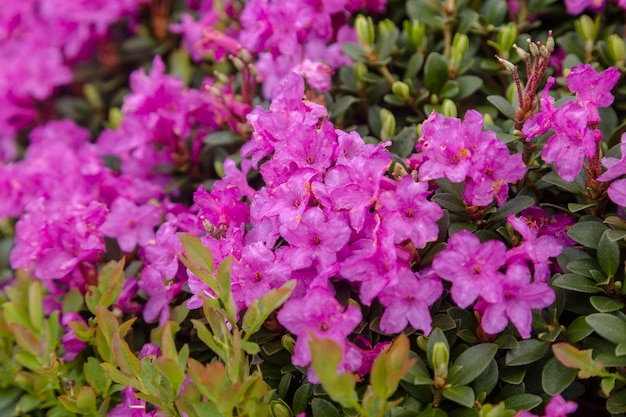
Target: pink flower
(520, 296)
(132, 225)
(592, 90)
(321, 315)
(407, 302)
(472, 267)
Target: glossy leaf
(610, 327)
(462, 395)
(262, 307)
(587, 233)
(556, 377)
(502, 105)
(471, 363)
(323, 408)
(576, 283)
(608, 255)
(435, 72)
(529, 351)
(126, 360)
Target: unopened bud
(365, 31)
(616, 49)
(441, 357)
(388, 122)
(279, 409)
(115, 118)
(586, 28)
(401, 90)
(415, 32)
(237, 62)
(522, 53)
(448, 108)
(386, 26)
(506, 64)
(422, 342)
(460, 43)
(550, 42)
(534, 50)
(360, 69)
(506, 36)
(288, 343)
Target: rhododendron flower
(160, 294)
(534, 248)
(131, 406)
(592, 90)
(520, 297)
(72, 345)
(472, 267)
(616, 168)
(407, 302)
(132, 225)
(321, 315)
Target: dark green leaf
(587, 233)
(468, 85)
(617, 402)
(529, 351)
(403, 144)
(502, 105)
(341, 105)
(450, 89)
(385, 42)
(606, 304)
(515, 205)
(554, 179)
(583, 267)
(301, 398)
(578, 330)
(576, 283)
(425, 11)
(323, 408)
(435, 336)
(608, 255)
(461, 395)
(522, 401)
(414, 65)
(615, 235)
(418, 374)
(354, 51)
(610, 327)
(435, 72)
(555, 377)
(486, 381)
(430, 411)
(222, 138)
(471, 363)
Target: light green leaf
(262, 307)
(435, 72)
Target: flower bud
(279, 409)
(388, 124)
(550, 42)
(506, 37)
(586, 28)
(616, 49)
(448, 108)
(360, 69)
(522, 53)
(415, 32)
(401, 90)
(365, 31)
(115, 118)
(441, 357)
(460, 43)
(422, 342)
(288, 343)
(534, 50)
(386, 26)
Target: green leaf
(572, 357)
(27, 340)
(554, 179)
(301, 398)
(574, 207)
(461, 395)
(418, 374)
(354, 51)
(486, 381)
(262, 307)
(608, 255)
(576, 283)
(403, 144)
(471, 363)
(514, 205)
(522, 401)
(435, 72)
(198, 259)
(468, 85)
(610, 327)
(326, 354)
(110, 281)
(425, 11)
(430, 411)
(341, 105)
(95, 376)
(35, 306)
(436, 336)
(414, 65)
(385, 42)
(86, 400)
(450, 89)
(583, 267)
(587, 233)
(126, 360)
(529, 351)
(502, 105)
(578, 330)
(605, 304)
(222, 138)
(323, 408)
(615, 235)
(555, 377)
(620, 349)
(616, 403)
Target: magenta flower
(541, 122)
(321, 315)
(160, 293)
(72, 345)
(616, 168)
(520, 297)
(536, 249)
(131, 406)
(409, 214)
(407, 302)
(571, 142)
(256, 273)
(592, 90)
(557, 407)
(132, 225)
(472, 267)
(315, 238)
(162, 252)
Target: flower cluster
(574, 123)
